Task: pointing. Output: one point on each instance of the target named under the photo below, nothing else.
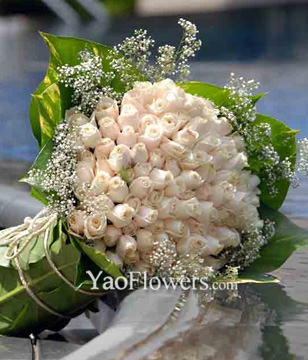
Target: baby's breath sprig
(259, 147)
(302, 160)
(58, 179)
(169, 61)
(89, 81)
(252, 240)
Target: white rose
(121, 215)
(109, 128)
(127, 136)
(120, 158)
(117, 189)
(112, 235)
(129, 116)
(140, 187)
(106, 107)
(76, 222)
(104, 148)
(84, 172)
(95, 225)
(90, 136)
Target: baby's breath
(89, 81)
(261, 153)
(57, 180)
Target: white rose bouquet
(141, 170)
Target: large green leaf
(284, 142)
(288, 238)
(40, 163)
(219, 96)
(97, 257)
(19, 313)
(51, 99)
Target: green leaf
(40, 163)
(99, 258)
(20, 315)
(51, 99)
(288, 238)
(284, 142)
(220, 96)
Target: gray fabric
(15, 205)
(139, 315)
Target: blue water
(270, 45)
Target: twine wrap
(18, 237)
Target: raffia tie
(18, 237)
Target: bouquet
(143, 171)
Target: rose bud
(154, 198)
(203, 192)
(170, 123)
(104, 203)
(139, 153)
(189, 208)
(187, 194)
(200, 124)
(132, 259)
(195, 227)
(152, 136)
(103, 165)
(95, 225)
(186, 137)
(130, 229)
(172, 189)
(176, 228)
(133, 202)
(238, 162)
(168, 207)
(140, 187)
(87, 157)
(212, 246)
(119, 158)
(173, 149)
(127, 136)
(129, 116)
(142, 169)
(99, 245)
(221, 126)
(172, 166)
(112, 235)
(207, 172)
(106, 107)
(160, 178)
(84, 172)
(104, 148)
(90, 136)
(158, 106)
(226, 236)
(109, 128)
(144, 240)
(121, 215)
(146, 216)
(221, 193)
(117, 189)
(115, 259)
(126, 246)
(76, 221)
(157, 227)
(195, 159)
(209, 143)
(143, 267)
(191, 244)
(147, 120)
(161, 237)
(76, 118)
(191, 179)
(100, 182)
(157, 158)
